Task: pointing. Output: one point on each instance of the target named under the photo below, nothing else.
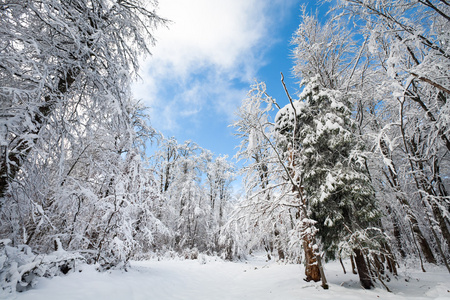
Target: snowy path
(256, 279)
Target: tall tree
(319, 136)
(54, 55)
(274, 193)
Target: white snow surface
(211, 278)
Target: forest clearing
(350, 164)
(210, 278)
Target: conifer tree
(318, 135)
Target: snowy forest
(356, 167)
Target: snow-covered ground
(210, 278)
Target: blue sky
(204, 63)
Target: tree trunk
(18, 149)
(352, 260)
(313, 267)
(279, 244)
(440, 218)
(322, 273)
(423, 243)
(312, 271)
(396, 229)
(3, 171)
(390, 259)
(363, 270)
(342, 265)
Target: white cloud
(207, 33)
(211, 50)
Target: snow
(210, 278)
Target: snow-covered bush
(190, 253)
(20, 266)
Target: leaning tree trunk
(363, 270)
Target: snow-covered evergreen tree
(273, 210)
(319, 135)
